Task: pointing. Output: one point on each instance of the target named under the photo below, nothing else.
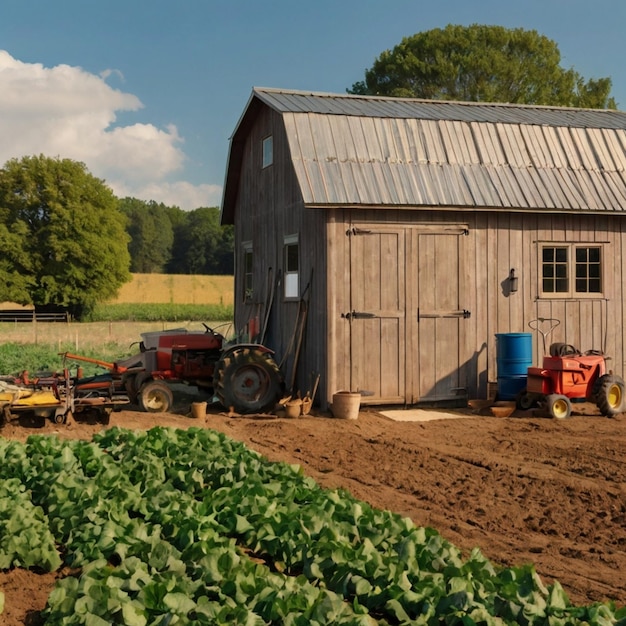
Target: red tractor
(242, 376)
(567, 375)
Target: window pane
(554, 270)
(292, 266)
(248, 275)
(562, 285)
(268, 151)
(595, 286)
(588, 270)
(291, 258)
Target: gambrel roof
(403, 153)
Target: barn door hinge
(464, 313)
(357, 231)
(353, 315)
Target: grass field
(115, 338)
(80, 335)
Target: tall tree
(151, 235)
(482, 63)
(63, 236)
(202, 245)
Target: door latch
(358, 315)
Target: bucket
(514, 355)
(293, 408)
(346, 405)
(198, 409)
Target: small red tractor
(566, 375)
(243, 377)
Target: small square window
(268, 151)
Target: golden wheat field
(176, 288)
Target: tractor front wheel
(559, 406)
(248, 380)
(155, 396)
(609, 395)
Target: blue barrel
(514, 355)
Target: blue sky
(147, 92)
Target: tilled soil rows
(522, 489)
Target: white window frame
(267, 151)
(571, 265)
(291, 274)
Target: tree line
(166, 239)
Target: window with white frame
(570, 270)
(248, 272)
(268, 151)
(291, 271)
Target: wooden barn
(383, 243)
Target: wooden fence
(30, 315)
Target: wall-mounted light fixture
(512, 281)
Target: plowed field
(523, 489)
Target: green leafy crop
(190, 527)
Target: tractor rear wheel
(558, 406)
(608, 394)
(155, 396)
(247, 380)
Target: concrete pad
(422, 415)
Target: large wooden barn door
(440, 315)
(377, 313)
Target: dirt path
(521, 489)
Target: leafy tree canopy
(202, 245)
(151, 235)
(483, 64)
(63, 237)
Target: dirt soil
(523, 489)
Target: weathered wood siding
(268, 208)
(496, 242)
(508, 176)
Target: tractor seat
(564, 349)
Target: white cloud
(67, 112)
(181, 194)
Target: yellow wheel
(559, 406)
(609, 395)
(155, 396)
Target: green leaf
(94, 620)
(179, 603)
(133, 614)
